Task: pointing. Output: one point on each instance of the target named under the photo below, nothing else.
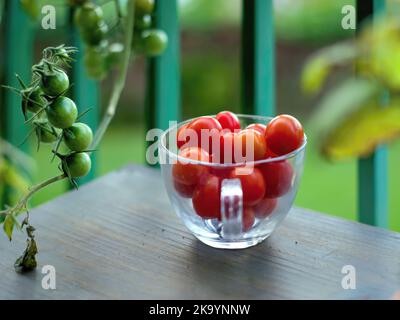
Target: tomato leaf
(341, 101)
(8, 226)
(320, 65)
(363, 131)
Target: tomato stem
(121, 77)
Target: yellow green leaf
(8, 226)
(359, 134)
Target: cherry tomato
(95, 62)
(247, 219)
(144, 6)
(143, 22)
(46, 133)
(78, 137)
(265, 207)
(206, 126)
(114, 55)
(62, 112)
(278, 178)
(154, 42)
(190, 173)
(253, 185)
(206, 198)
(54, 83)
(95, 35)
(284, 134)
(184, 190)
(258, 127)
(253, 140)
(32, 99)
(228, 120)
(181, 138)
(78, 164)
(226, 152)
(88, 16)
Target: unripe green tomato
(48, 134)
(143, 22)
(79, 164)
(62, 112)
(114, 55)
(94, 36)
(32, 99)
(144, 6)
(95, 62)
(88, 16)
(154, 42)
(78, 137)
(54, 83)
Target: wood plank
(118, 237)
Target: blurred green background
(211, 83)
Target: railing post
(258, 57)
(372, 171)
(18, 54)
(163, 84)
(85, 93)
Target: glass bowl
(232, 229)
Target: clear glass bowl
(228, 231)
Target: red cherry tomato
(207, 127)
(181, 138)
(190, 173)
(284, 134)
(228, 120)
(248, 219)
(225, 154)
(265, 207)
(258, 127)
(206, 198)
(253, 185)
(184, 190)
(278, 178)
(254, 141)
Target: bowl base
(225, 244)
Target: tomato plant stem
(121, 77)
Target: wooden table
(118, 237)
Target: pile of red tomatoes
(261, 186)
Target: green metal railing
(163, 84)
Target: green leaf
(8, 226)
(341, 101)
(320, 65)
(363, 131)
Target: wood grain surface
(118, 238)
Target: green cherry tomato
(54, 83)
(62, 112)
(95, 62)
(114, 55)
(154, 42)
(32, 99)
(78, 164)
(88, 16)
(95, 35)
(144, 6)
(78, 137)
(47, 133)
(143, 22)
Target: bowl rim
(265, 119)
